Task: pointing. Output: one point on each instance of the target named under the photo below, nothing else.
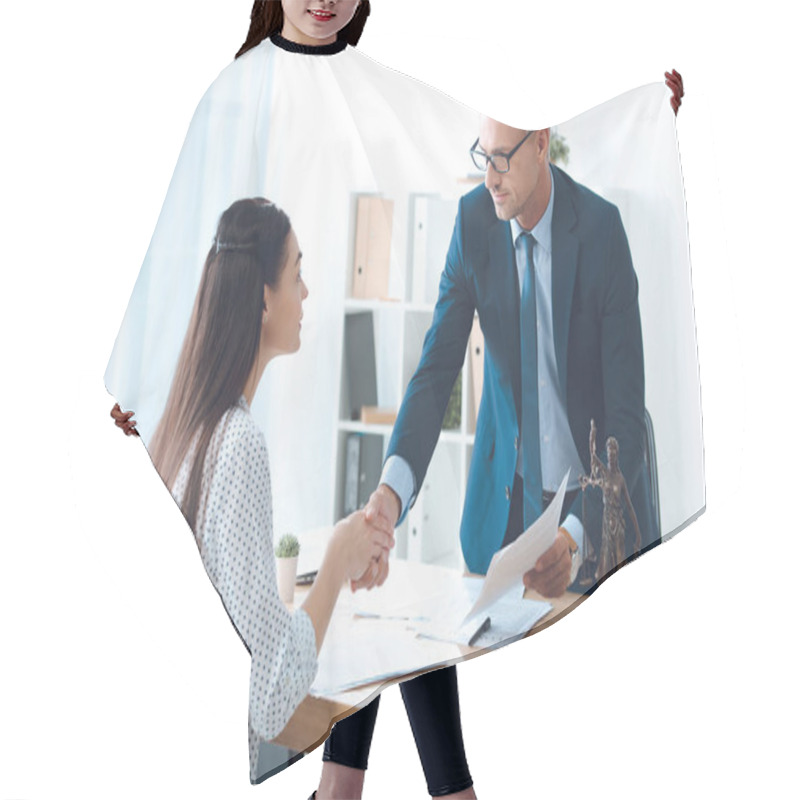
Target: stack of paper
(510, 617)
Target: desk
(310, 725)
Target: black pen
(485, 625)
(306, 579)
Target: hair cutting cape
(313, 132)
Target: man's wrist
(392, 495)
(397, 476)
(571, 543)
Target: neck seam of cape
(307, 49)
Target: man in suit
(546, 264)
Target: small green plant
(452, 415)
(559, 149)
(288, 546)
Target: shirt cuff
(397, 475)
(574, 528)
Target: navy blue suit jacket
(598, 346)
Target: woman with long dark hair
(188, 437)
(213, 457)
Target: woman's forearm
(324, 592)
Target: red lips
(322, 16)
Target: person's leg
(344, 759)
(433, 710)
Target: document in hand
(514, 560)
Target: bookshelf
(404, 252)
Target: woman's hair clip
(231, 246)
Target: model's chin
(503, 212)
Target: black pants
(432, 706)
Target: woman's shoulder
(238, 437)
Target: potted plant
(286, 553)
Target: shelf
(398, 327)
(448, 437)
(419, 308)
(353, 426)
(452, 437)
(354, 304)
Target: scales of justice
(608, 478)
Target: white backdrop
(117, 673)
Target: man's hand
(382, 511)
(124, 420)
(359, 546)
(550, 576)
(675, 82)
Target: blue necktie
(531, 456)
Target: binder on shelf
(435, 517)
(416, 526)
(370, 465)
(351, 466)
(360, 368)
(476, 346)
(363, 464)
(374, 415)
(434, 218)
(373, 245)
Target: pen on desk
(485, 625)
(306, 579)
(400, 618)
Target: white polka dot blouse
(234, 535)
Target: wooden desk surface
(310, 725)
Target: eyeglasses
(500, 161)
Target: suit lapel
(505, 282)
(565, 267)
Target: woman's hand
(675, 82)
(376, 574)
(124, 420)
(363, 549)
(382, 511)
(354, 550)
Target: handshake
(362, 541)
(366, 536)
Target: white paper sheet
(511, 620)
(511, 616)
(374, 650)
(514, 560)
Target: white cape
(311, 132)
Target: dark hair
(221, 343)
(266, 19)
